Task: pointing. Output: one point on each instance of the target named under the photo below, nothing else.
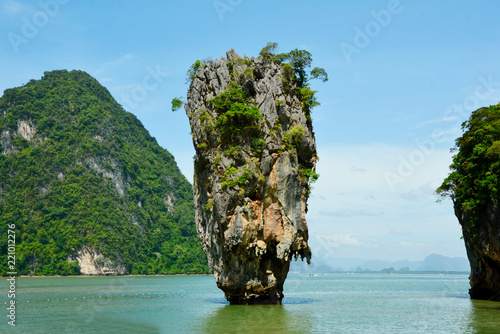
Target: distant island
(431, 263)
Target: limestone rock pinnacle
(255, 152)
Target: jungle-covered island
(87, 188)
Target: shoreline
(129, 275)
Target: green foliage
(319, 73)
(258, 144)
(288, 79)
(234, 94)
(236, 66)
(209, 205)
(295, 65)
(60, 201)
(176, 103)
(233, 151)
(308, 98)
(239, 122)
(238, 119)
(207, 122)
(292, 138)
(300, 61)
(269, 50)
(246, 75)
(309, 175)
(279, 103)
(230, 179)
(474, 179)
(191, 73)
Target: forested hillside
(79, 172)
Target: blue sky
(403, 76)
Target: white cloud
(108, 66)
(125, 87)
(404, 222)
(336, 240)
(399, 231)
(436, 121)
(350, 213)
(355, 169)
(425, 191)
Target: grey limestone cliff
(255, 157)
(483, 251)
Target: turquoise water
(330, 303)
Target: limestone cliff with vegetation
(86, 187)
(255, 160)
(474, 185)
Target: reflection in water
(485, 317)
(286, 301)
(256, 319)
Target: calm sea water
(330, 303)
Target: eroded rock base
(482, 245)
(485, 279)
(273, 298)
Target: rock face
(483, 251)
(252, 173)
(92, 262)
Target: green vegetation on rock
(237, 118)
(296, 64)
(473, 185)
(176, 103)
(474, 179)
(76, 170)
(191, 73)
(233, 120)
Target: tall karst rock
(85, 187)
(473, 185)
(255, 157)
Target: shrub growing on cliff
(191, 73)
(293, 137)
(238, 119)
(300, 60)
(296, 64)
(224, 101)
(176, 103)
(309, 175)
(269, 50)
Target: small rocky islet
(255, 160)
